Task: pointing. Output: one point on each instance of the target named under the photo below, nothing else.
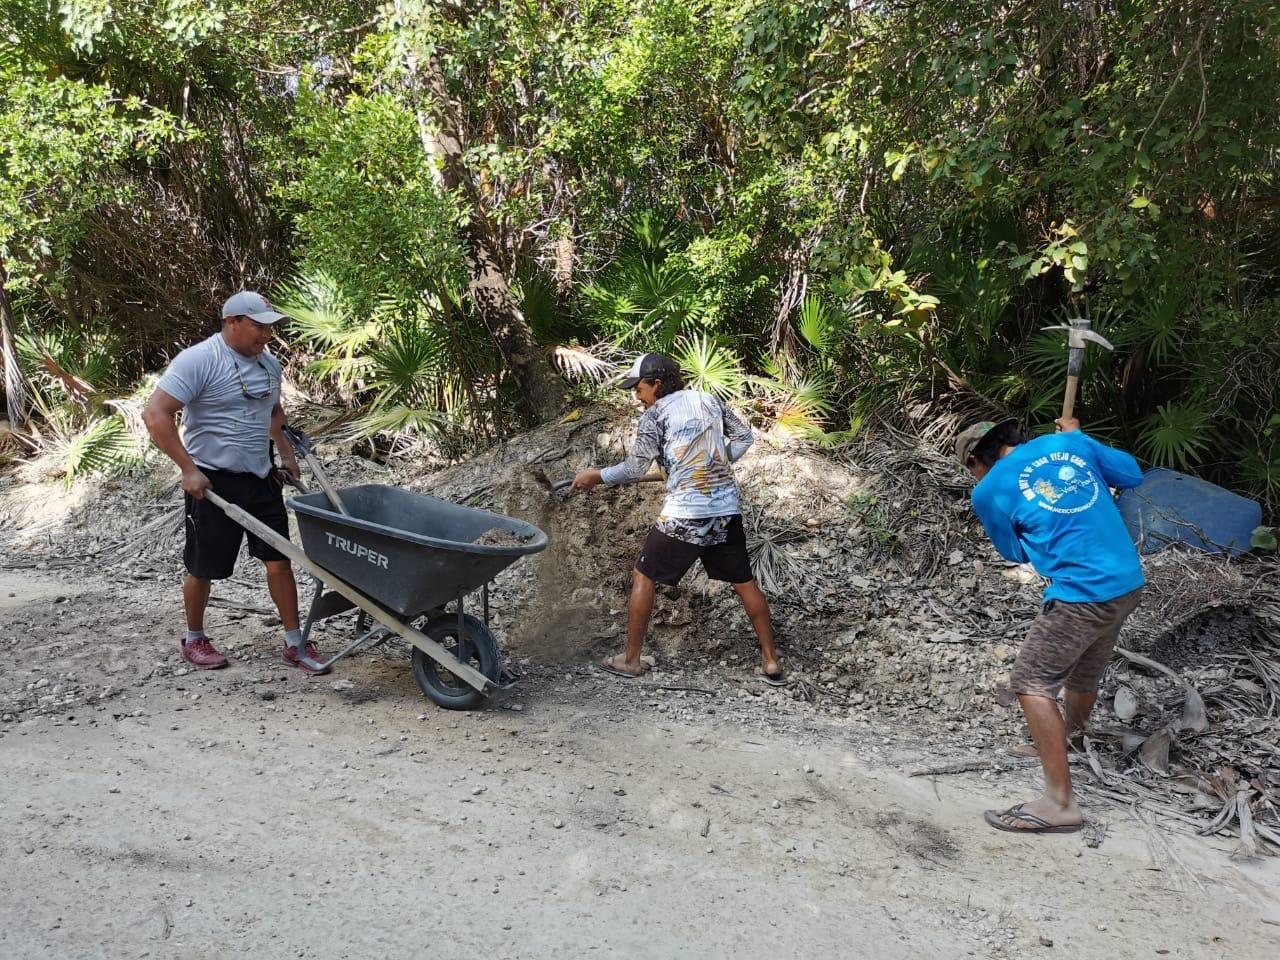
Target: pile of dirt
(887, 597)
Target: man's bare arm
(288, 457)
(159, 416)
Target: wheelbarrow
(402, 558)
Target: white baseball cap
(648, 366)
(253, 305)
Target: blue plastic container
(1171, 507)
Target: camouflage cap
(973, 436)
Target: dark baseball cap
(648, 366)
(974, 435)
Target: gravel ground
(697, 812)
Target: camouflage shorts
(1069, 645)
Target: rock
(557, 823)
(342, 685)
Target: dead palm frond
(584, 363)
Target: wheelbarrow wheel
(479, 649)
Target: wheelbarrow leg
(355, 645)
(311, 613)
(463, 649)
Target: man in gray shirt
(229, 386)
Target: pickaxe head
(1078, 337)
(1079, 334)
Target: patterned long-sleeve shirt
(695, 439)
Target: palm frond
(103, 445)
(1160, 323)
(1176, 435)
(323, 321)
(815, 323)
(79, 361)
(129, 409)
(409, 363)
(583, 363)
(711, 367)
(806, 408)
(397, 419)
(541, 306)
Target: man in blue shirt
(1046, 502)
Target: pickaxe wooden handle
(1078, 336)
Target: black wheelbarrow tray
(401, 558)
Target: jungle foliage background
(838, 213)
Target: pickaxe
(1078, 335)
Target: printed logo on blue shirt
(1061, 483)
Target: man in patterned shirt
(695, 439)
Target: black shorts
(213, 538)
(667, 559)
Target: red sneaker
(203, 654)
(309, 665)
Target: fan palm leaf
(1176, 435)
(711, 367)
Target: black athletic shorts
(667, 559)
(213, 538)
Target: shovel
(302, 444)
(555, 486)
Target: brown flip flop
(607, 666)
(1035, 824)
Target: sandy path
(218, 815)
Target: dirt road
(253, 812)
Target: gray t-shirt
(228, 399)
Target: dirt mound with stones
(888, 600)
(886, 596)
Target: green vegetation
(832, 212)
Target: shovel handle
(559, 485)
(325, 485)
(302, 446)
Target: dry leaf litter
(890, 605)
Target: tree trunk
(540, 385)
(15, 385)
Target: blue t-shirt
(1046, 503)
